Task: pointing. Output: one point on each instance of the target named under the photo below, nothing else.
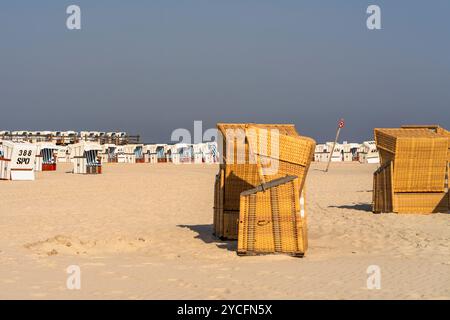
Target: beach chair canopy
(119, 150)
(149, 149)
(418, 156)
(434, 128)
(135, 149)
(62, 150)
(46, 145)
(79, 149)
(18, 149)
(47, 151)
(271, 151)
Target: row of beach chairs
(19, 160)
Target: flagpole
(340, 126)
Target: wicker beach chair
(412, 173)
(252, 155)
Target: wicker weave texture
(386, 200)
(383, 190)
(273, 220)
(419, 158)
(267, 155)
(434, 128)
(420, 165)
(423, 203)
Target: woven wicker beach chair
(412, 173)
(252, 155)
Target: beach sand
(143, 231)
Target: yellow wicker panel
(382, 189)
(272, 219)
(385, 156)
(230, 224)
(420, 165)
(218, 203)
(424, 203)
(238, 178)
(434, 128)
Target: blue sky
(149, 67)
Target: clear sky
(149, 67)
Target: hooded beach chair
(139, 153)
(412, 173)
(86, 158)
(45, 156)
(254, 155)
(133, 153)
(161, 155)
(212, 155)
(151, 153)
(199, 150)
(17, 161)
(62, 154)
(108, 154)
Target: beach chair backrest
(160, 151)
(47, 156)
(138, 152)
(91, 157)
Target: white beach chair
(108, 153)
(62, 154)
(45, 156)
(17, 162)
(86, 158)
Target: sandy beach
(143, 231)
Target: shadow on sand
(205, 233)
(357, 206)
